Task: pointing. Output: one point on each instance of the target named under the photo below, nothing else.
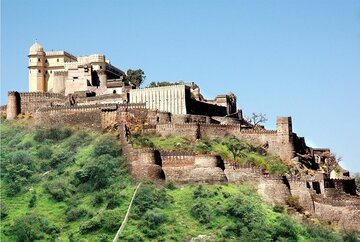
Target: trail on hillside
(126, 216)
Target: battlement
(258, 131)
(13, 93)
(42, 95)
(59, 53)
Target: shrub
(106, 145)
(57, 189)
(284, 230)
(201, 211)
(111, 220)
(22, 157)
(351, 237)
(60, 158)
(39, 135)
(53, 133)
(30, 227)
(80, 139)
(75, 214)
(278, 208)
(226, 195)
(139, 140)
(97, 172)
(32, 201)
(98, 199)
(90, 225)
(170, 186)
(4, 211)
(293, 201)
(57, 134)
(149, 197)
(17, 171)
(44, 152)
(153, 218)
(25, 144)
(200, 192)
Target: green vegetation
(229, 148)
(135, 77)
(163, 84)
(62, 183)
(71, 184)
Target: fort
(89, 91)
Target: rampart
(278, 142)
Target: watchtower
(13, 105)
(37, 62)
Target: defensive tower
(37, 75)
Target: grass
(160, 213)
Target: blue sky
(298, 58)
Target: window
(57, 60)
(50, 71)
(39, 71)
(100, 67)
(39, 60)
(46, 61)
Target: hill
(72, 184)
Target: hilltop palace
(90, 91)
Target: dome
(36, 47)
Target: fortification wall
(142, 163)
(218, 130)
(272, 139)
(185, 167)
(238, 173)
(187, 130)
(87, 116)
(298, 189)
(346, 217)
(32, 101)
(273, 189)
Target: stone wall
(190, 131)
(86, 116)
(30, 102)
(143, 163)
(184, 167)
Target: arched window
(39, 71)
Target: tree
(256, 119)
(135, 77)
(357, 181)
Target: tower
(37, 75)
(13, 105)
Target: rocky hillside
(72, 184)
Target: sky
(297, 58)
